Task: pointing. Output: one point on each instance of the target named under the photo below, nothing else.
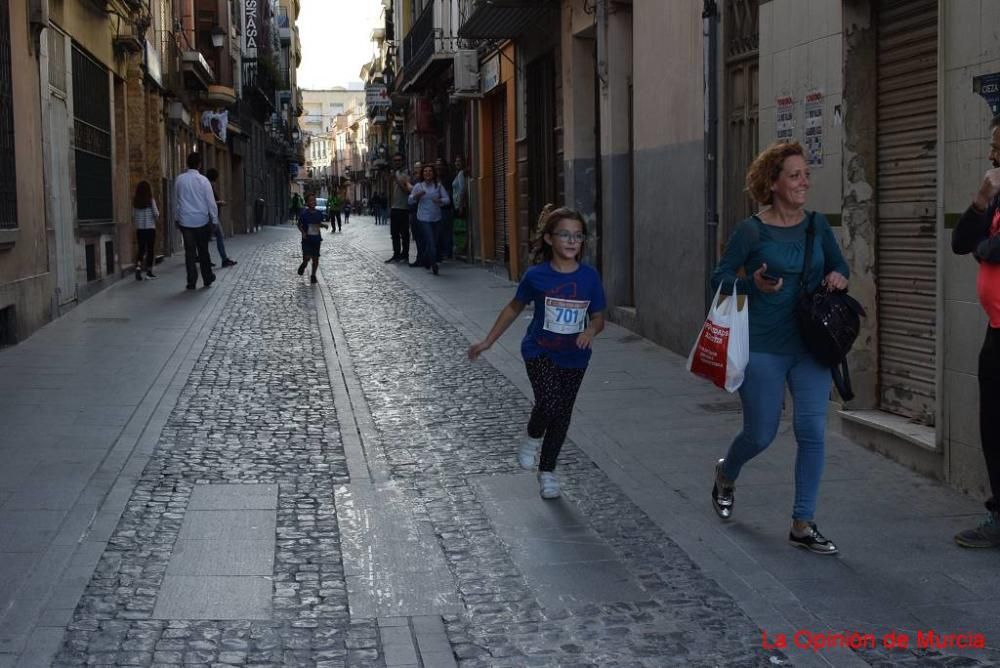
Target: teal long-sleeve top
(773, 327)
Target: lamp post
(218, 37)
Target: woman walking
(569, 312)
(144, 216)
(770, 248)
(429, 196)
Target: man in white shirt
(197, 214)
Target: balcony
(220, 95)
(198, 74)
(502, 19)
(429, 47)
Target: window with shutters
(8, 180)
(92, 139)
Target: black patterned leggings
(555, 389)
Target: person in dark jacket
(978, 233)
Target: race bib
(565, 316)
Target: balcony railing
(501, 19)
(418, 45)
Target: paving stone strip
(257, 409)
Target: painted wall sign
(814, 128)
(987, 86)
(784, 118)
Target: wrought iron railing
(418, 45)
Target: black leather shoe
(394, 258)
(723, 494)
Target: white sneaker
(529, 452)
(548, 485)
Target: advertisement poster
(814, 128)
(785, 125)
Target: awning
(504, 19)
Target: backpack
(829, 321)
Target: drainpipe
(710, 23)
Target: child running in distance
(569, 312)
(310, 222)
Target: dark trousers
(399, 229)
(427, 231)
(444, 238)
(196, 253)
(335, 218)
(146, 240)
(989, 418)
(555, 389)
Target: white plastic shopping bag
(722, 351)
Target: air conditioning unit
(466, 71)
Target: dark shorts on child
(310, 245)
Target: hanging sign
(489, 76)
(814, 128)
(250, 28)
(216, 123)
(784, 121)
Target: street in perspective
(476, 334)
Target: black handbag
(829, 321)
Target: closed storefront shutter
(907, 204)
(500, 179)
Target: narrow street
(268, 472)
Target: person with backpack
(770, 248)
(569, 305)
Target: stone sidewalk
(383, 462)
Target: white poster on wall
(814, 128)
(784, 118)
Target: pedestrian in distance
(296, 207)
(444, 239)
(213, 177)
(333, 207)
(144, 217)
(460, 200)
(347, 211)
(770, 248)
(399, 211)
(310, 223)
(196, 212)
(978, 233)
(569, 309)
(431, 198)
(420, 261)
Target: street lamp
(218, 37)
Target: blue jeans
(762, 394)
(220, 243)
(427, 244)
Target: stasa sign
(250, 27)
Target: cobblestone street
(328, 481)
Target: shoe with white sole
(529, 452)
(548, 485)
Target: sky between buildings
(336, 42)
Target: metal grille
(500, 158)
(8, 181)
(57, 60)
(92, 139)
(907, 206)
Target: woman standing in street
(569, 312)
(144, 216)
(429, 196)
(770, 248)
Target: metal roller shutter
(907, 203)
(500, 179)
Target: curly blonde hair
(766, 168)
(550, 216)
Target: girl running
(569, 312)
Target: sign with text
(784, 118)
(814, 128)
(987, 86)
(251, 31)
(377, 96)
(489, 75)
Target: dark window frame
(92, 140)
(8, 172)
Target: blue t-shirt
(309, 222)
(563, 303)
